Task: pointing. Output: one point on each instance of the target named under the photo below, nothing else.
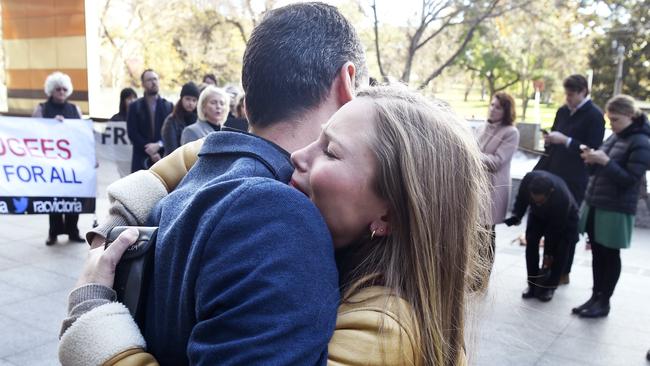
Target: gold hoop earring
(372, 236)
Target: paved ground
(506, 330)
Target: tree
(436, 20)
(491, 65)
(181, 39)
(630, 27)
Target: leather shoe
(587, 304)
(51, 240)
(76, 238)
(529, 293)
(599, 308)
(545, 294)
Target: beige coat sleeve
(134, 196)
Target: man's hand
(155, 157)
(556, 138)
(512, 220)
(59, 118)
(100, 264)
(152, 148)
(595, 157)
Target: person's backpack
(134, 270)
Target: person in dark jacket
(553, 214)
(127, 96)
(184, 114)
(607, 216)
(578, 122)
(144, 123)
(58, 88)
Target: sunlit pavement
(514, 331)
(504, 329)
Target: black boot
(647, 355)
(75, 238)
(545, 294)
(533, 287)
(529, 292)
(599, 308)
(587, 304)
(51, 240)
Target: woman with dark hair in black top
(127, 95)
(183, 115)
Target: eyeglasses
(60, 88)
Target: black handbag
(134, 270)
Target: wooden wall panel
(40, 37)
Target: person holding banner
(58, 87)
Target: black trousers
(578, 193)
(64, 224)
(559, 241)
(606, 262)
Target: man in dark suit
(553, 214)
(578, 122)
(144, 122)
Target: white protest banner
(113, 148)
(46, 166)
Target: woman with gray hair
(58, 88)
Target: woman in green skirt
(607, 216)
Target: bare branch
(381, 68)
(468, 37)
(516, 80)
(239, 27)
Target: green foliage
(630, 27)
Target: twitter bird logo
(20, 204)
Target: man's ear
(344, 83)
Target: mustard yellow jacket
(372, 327)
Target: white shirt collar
(584, 101)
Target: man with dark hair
(553, 214)
(244, 270)
(578, 122)
(244, 266)
(144, 122)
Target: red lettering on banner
(11, 147)
(36, 148)
(45, 148)
(67, 154)
(33, 150)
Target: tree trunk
(524, 98)
(469, 88)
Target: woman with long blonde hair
(400, 184)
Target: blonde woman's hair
(430, 172)
(55, 80)
(203, 100)
(623, 104)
